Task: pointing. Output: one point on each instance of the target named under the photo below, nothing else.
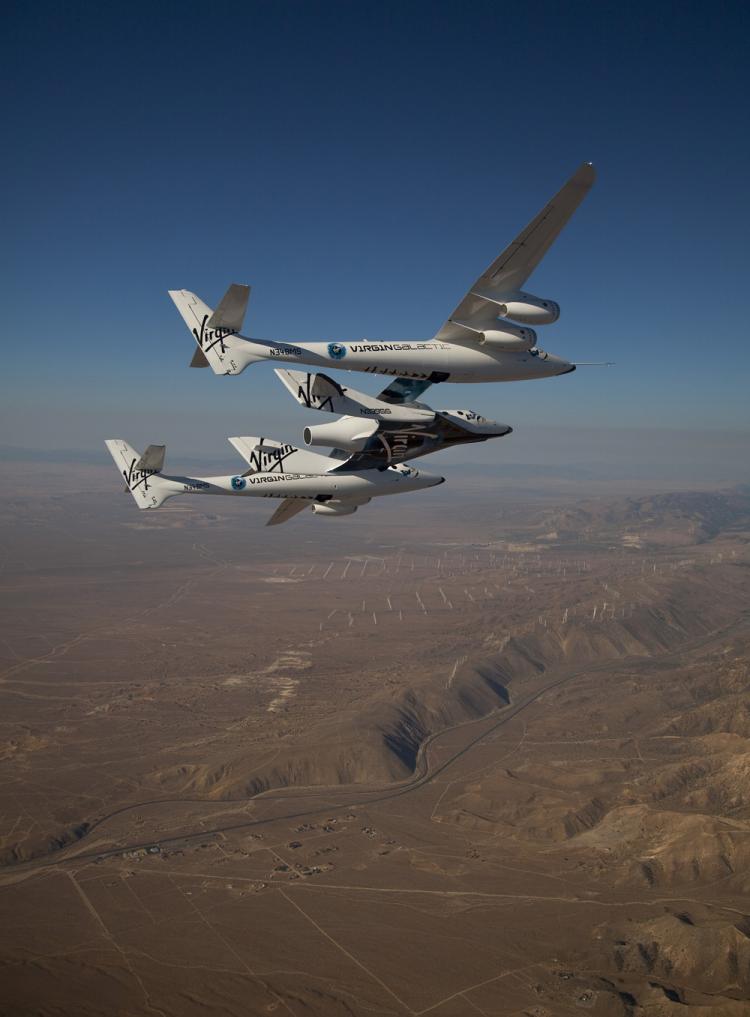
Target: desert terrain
(482, 750)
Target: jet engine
(349, 433)
(334, 510)
(527, 308)
(508, 338)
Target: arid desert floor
(450, 756)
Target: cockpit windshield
(470, 415)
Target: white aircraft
(299, 478)
(379, 432)
(370, 444)
(487, 338)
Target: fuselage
(365, 485)
(432, 360)
(461, 363)
(392, 443)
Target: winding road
(328, 799)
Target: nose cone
(558, 365)
(430, 479)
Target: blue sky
(359, 165)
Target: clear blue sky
(359, 164)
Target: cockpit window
(470, 415)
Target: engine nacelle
(334, 510)
(348, 433)
(527, 308)
(508, 338)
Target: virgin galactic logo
(337, 351)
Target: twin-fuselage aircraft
(490, 336)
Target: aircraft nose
(430, 480)
(559, 365)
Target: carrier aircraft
(490, 336)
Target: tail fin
(264, 455)
(149, 490)
(319, 392)
(220, 347)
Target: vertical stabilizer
(222, 348)
(149, 490)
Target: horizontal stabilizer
(199, 358)
(152, 459)
(230, 314)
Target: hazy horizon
(701, 458)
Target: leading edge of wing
(510, 270)
(287, 510)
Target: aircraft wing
(510, 270)
(287, 509)
(406, 390)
